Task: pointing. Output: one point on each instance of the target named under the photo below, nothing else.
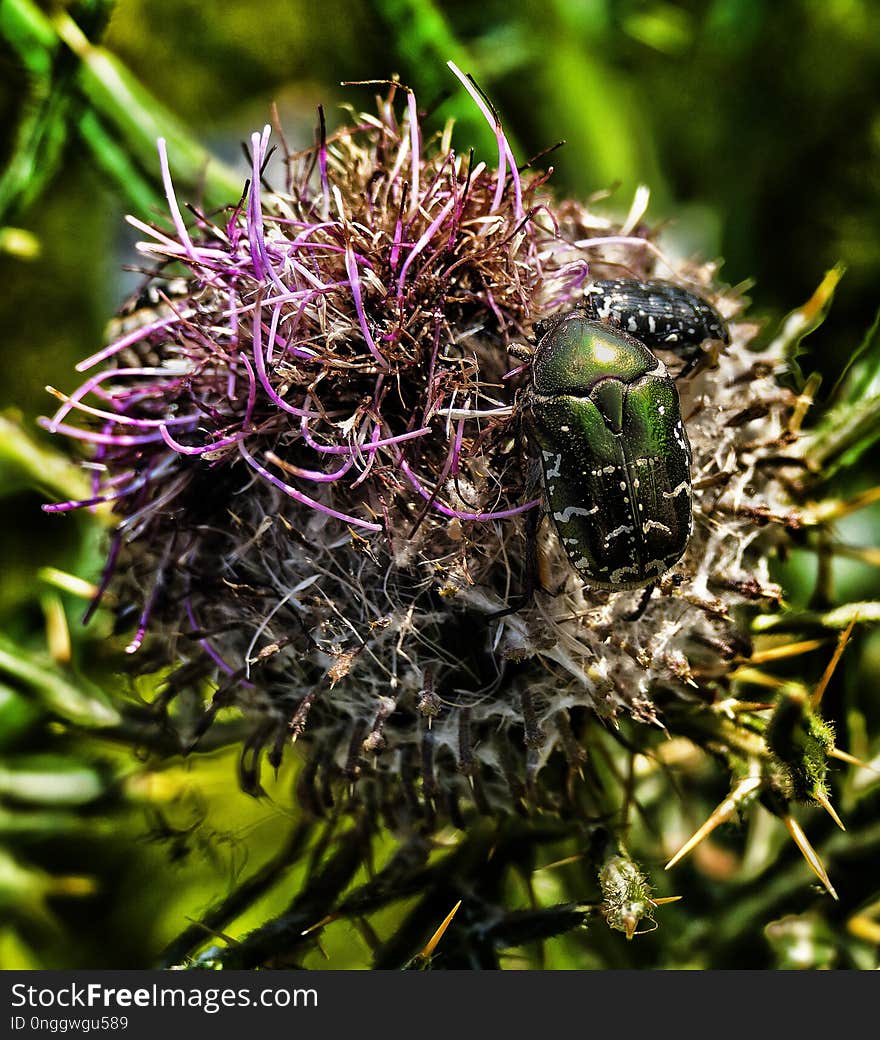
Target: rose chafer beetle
(606, 419)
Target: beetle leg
(531, 577)
(532, 570)
(690, 365)
(521, 351)
(634, 615)
(704, 355)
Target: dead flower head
(321, 479)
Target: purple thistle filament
(181, 415)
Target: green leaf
(805, 319)
(26, 463)
(860, 378)
(842, 438)
(81, 703)
(50, 780)
(852, 426)
(17, 715)
(27, 30)
(42, 130)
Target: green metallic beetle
(606, 418)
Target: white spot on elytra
(554, 468)
(564, 515)
(682, 488)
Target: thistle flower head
(321, 474)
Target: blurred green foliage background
(756, 125)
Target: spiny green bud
(626, 895)
(800, 740)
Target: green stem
(116, 163)
(245, 895)
(75, 704)
(845, 434)
(136, 117)
(803, 621)
(427, 41)
(49, 471)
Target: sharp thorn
(824, 801)
(845, 756)
(721, 814)
(318, 924)
(561, 862)
(775, 653)
(809, 853)
(819, 692)
(431, 944)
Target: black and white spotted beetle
(659, 314)
(158, 299)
